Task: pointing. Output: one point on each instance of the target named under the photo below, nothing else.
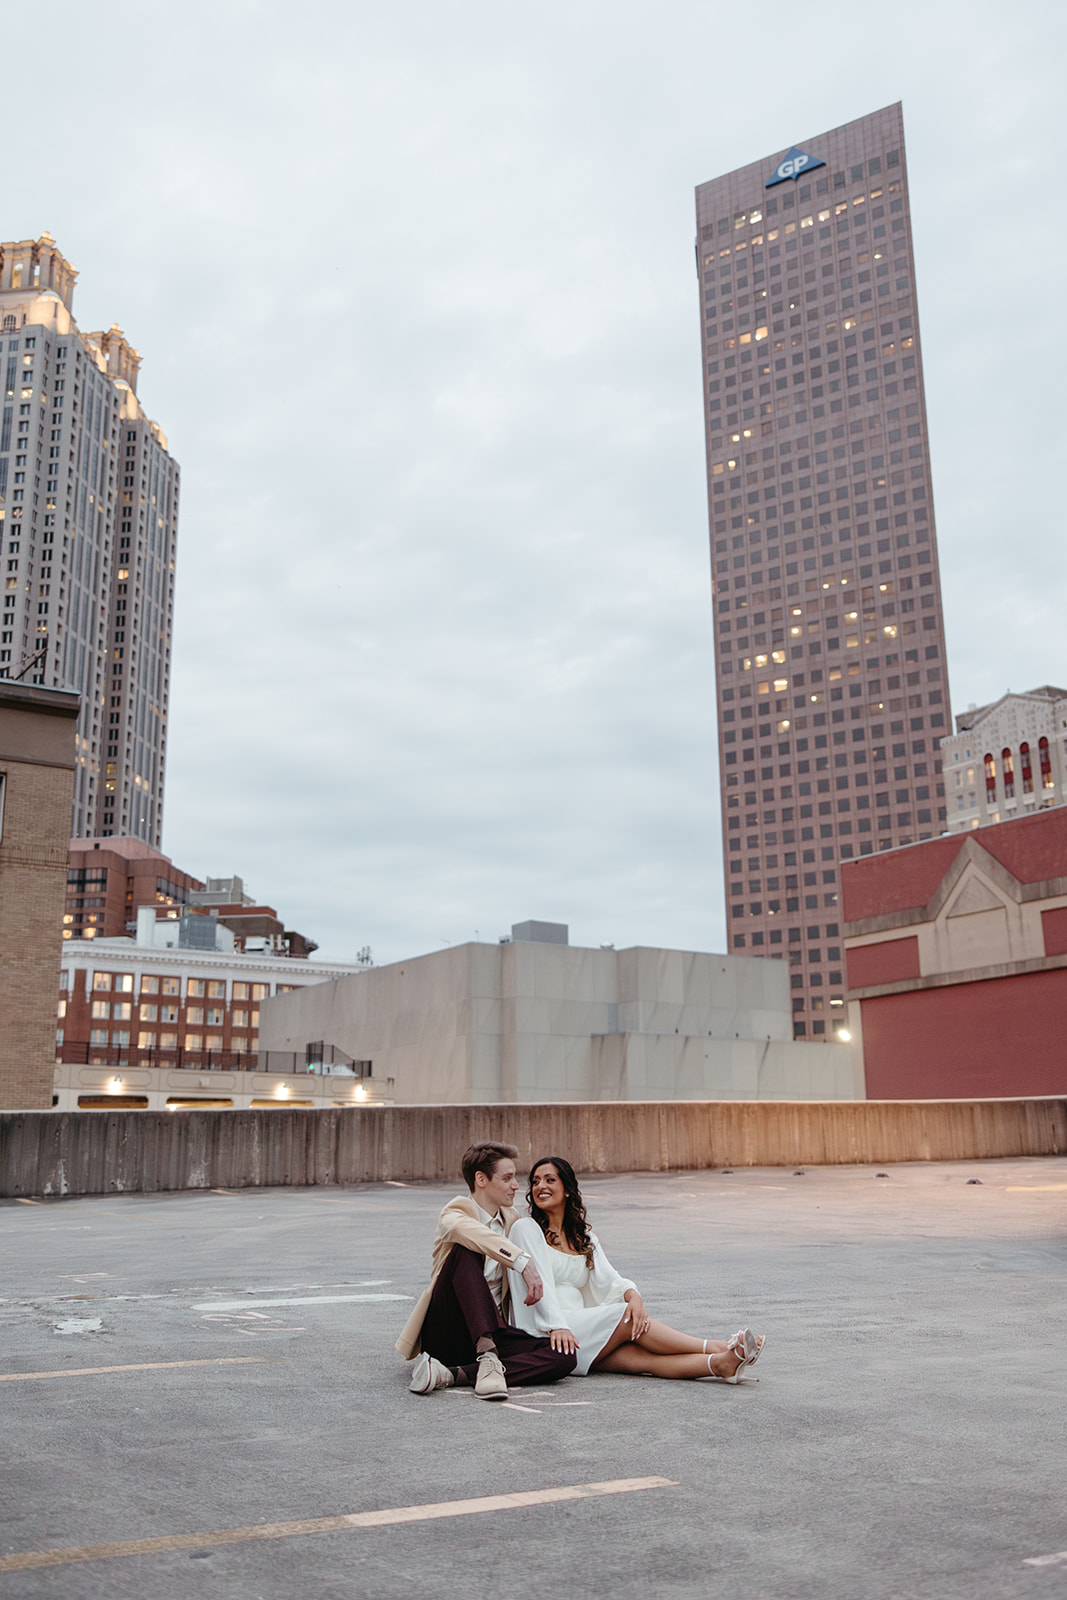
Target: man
(459, 1331)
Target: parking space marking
(297, 1300)
(23, 1560)
(136, 1366)
(1058, 1559)
(1033, 1188)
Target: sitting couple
(573, 1311)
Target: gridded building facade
(88, 522)
(831, 672)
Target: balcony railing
(330, 1062)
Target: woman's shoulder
(525, 1227)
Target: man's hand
(534, 1287)
(564, 1340)
(636, 1314)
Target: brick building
(957, 962)
(127, 1001)
(37, 758)
(109, 880)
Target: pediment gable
(975, 895)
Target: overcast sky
(414, 288)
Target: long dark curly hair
(575, 1226)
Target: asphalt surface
(907, 1437)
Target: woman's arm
(546, 1314)
(607, 1284)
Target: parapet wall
(105, 1152)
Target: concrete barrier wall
(105, 1152)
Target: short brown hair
(484, 1158)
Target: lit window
(101, 1009)
(101, 980)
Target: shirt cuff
(519, 1264)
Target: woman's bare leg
(633, 1359)
(661, 1340)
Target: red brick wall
(890, 962)
(1003, 1037)
(1054, 928)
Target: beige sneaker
(491, 1382)
(429, 1374)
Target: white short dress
(589, 1303)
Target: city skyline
(426, 355)
(830, 647)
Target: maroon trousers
(462, 1311)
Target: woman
(588, 1308)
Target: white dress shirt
(494, 1272)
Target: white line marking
(23, 1560)
(297, 1300)
(137, 1366)
(1059, 1559)
(1033, 1188)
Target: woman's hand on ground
(639, 1317)
(562, 1339)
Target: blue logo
(791, 166)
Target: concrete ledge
(103, 1152)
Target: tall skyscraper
(829, 639)
(88, 523)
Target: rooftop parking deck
(214, 1373)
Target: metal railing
(329, 1063)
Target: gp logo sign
(792, 165)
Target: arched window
(990, 779)
(1046, 764)
(1024, 763)
(1008, 770)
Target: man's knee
(561, 1365)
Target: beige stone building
(1006, 759)
(37, 757)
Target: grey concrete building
(88, 522)
(830, 655)
(536, 1019)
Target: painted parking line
(24, 1560)
(1057, 1560)
(296, 1300)
(1033, 1188)
(136, 1366)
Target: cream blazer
(459, 1223)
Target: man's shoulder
(460, 1202)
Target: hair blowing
(575, 1226)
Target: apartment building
(88, 527)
